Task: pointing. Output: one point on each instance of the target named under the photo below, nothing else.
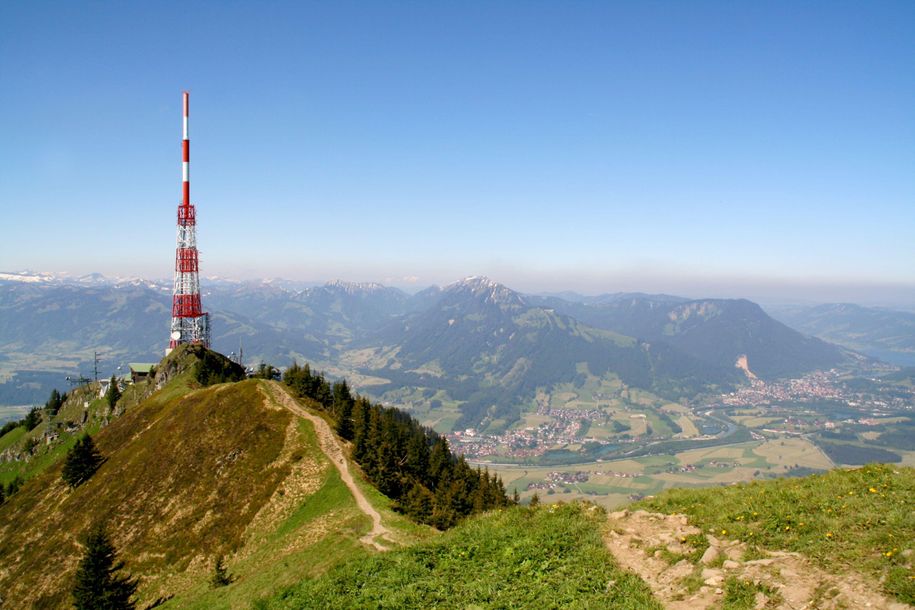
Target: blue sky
(701, 148)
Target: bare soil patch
(668, 554)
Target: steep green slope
(28, 453)
(862, 519)
(192, 474)
(546, 557)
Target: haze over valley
(611, 397)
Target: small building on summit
(139, 371)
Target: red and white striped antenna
(186, 154)
(190, 324)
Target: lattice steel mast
(190, 324)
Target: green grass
(272, 567)
(860, 519)
(187, 474)
(741, 594)
(45, 455)
(549, 557)
(11, 438)
(182, 478)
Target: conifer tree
(439, 461)
(535, 500)
(360, 430)
(98, 585)
(114, 392)
(343, 410)
(221, 576)
(55, 402)
(417, 452)
(32, 419)
(82, 460)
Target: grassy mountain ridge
(839, 540)
(517, 558)
(191, 474)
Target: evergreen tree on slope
(114, 392)
(82, 460)
(98, 585)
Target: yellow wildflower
(872, 490)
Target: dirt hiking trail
(644, 542)
(334, 452)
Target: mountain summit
(485, 290)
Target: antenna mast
(190, 324)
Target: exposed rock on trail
(669, 555)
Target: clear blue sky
(715, 148)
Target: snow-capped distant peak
(26, 277)
(490, 290)
(354, 287)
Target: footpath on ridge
(640, 540)
(331, 447)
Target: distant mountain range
(486, 345)
(885, 334)
(716, 331)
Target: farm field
(613, 483)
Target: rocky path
(657, 547)
(331, 447)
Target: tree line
(408, 462)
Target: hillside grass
(545, 557)
(192, 474)
(72, 411)
(44, 455)
(11, 438)
(271, 565)
(861, 519)
(182, 478)
(320, 533)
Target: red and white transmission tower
(190, 324)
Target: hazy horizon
(760, 290)
(713, 149)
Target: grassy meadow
(546, 557)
